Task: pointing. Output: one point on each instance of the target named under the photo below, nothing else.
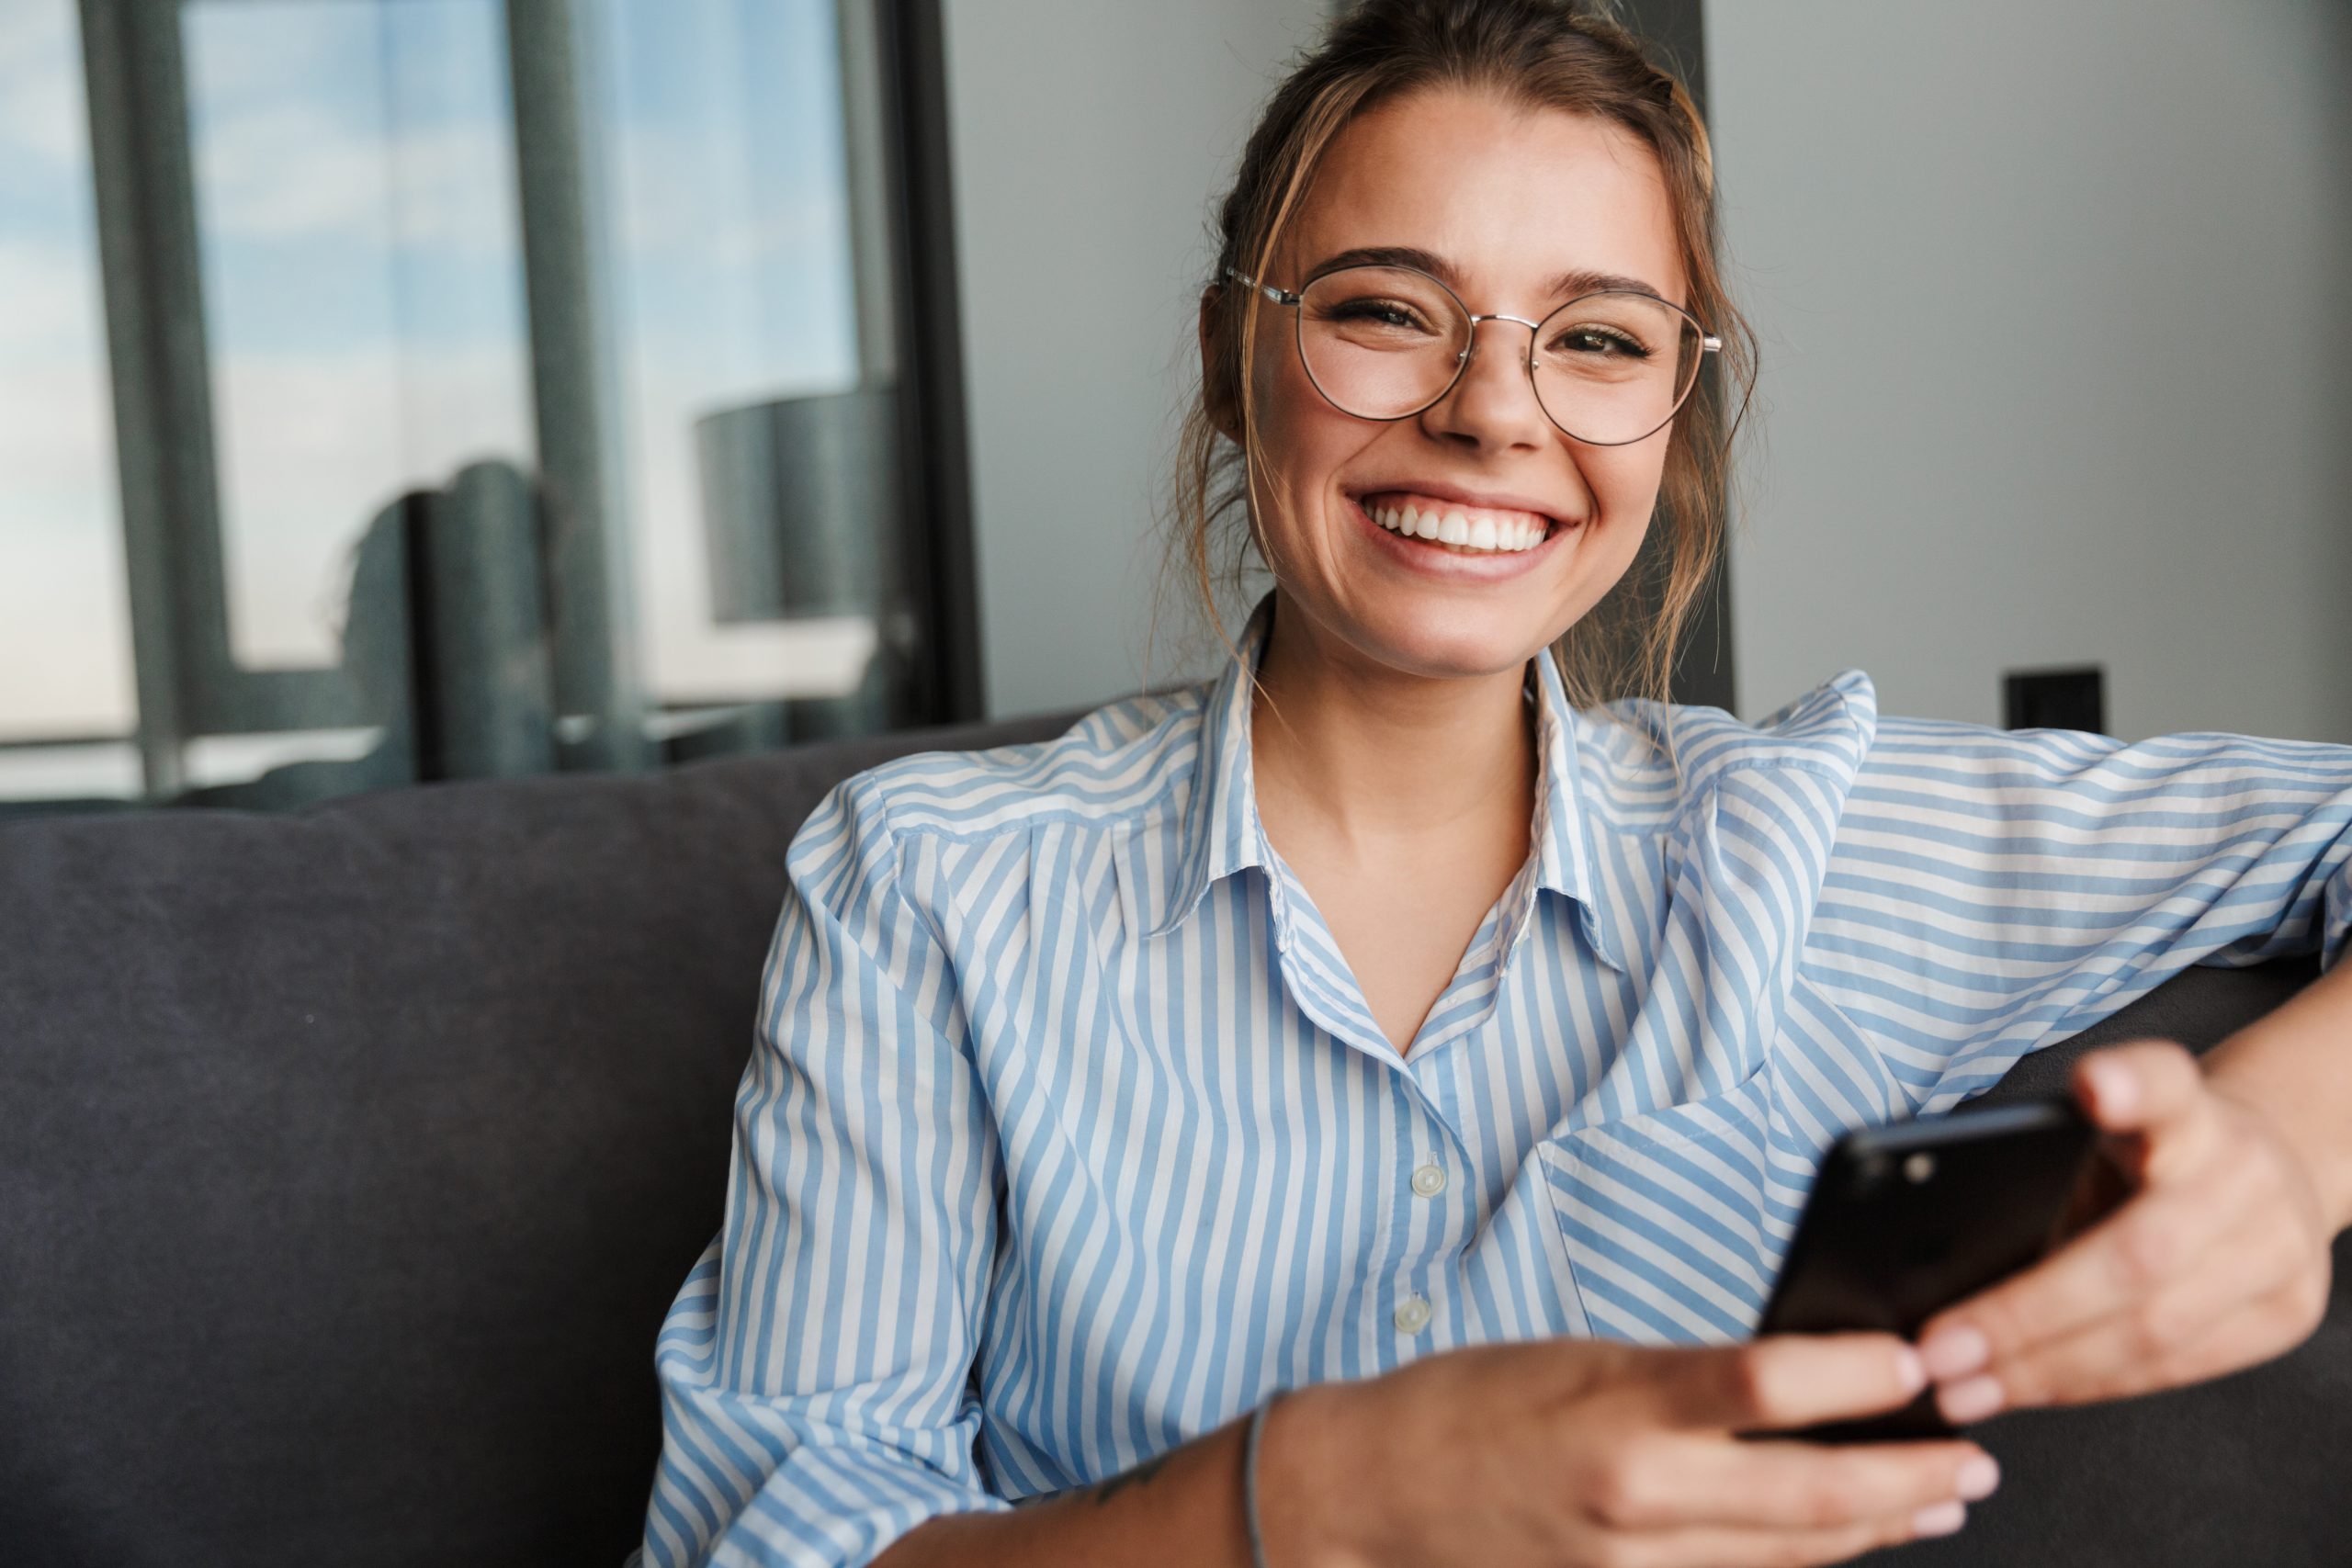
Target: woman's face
(1511, 205)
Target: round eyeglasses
(1385, 343)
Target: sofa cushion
(351, 1155)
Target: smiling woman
(1425, 1016)
(1620, 187)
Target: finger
(2249, 1304)
(2138, 1250)
(1673, 1480)
(2131, 1350)
(1781, 1380)
(2153, 1088)
(1711, 1546)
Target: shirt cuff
(833, 1506)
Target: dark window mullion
(189, 683)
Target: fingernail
(2112, 1084)
(1911, 1369)
(1941, 1520)
(1955, 1351)
(1978, 1477)
(1972, 1399)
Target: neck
(1375, 761)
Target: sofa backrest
(349, 1157)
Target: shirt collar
(1221, 833)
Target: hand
(2207, 1251)
(1584, 1453)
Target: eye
(1387, 315)
(1598, 339)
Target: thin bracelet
(1249, 1479)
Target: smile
(1455, 526)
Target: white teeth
(1500, 536)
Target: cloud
(40, 84)
(50, 308)
(684, 195)
(293, 171)
(56, 442)
(64, 627)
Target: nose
(1492, 403)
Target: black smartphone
(1906, 1219)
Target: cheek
(1302, 439)
(1624, 479)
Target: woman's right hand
(1576, 1453)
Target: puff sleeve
(815, 1366)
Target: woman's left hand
(2208, 1251)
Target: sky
(64, 642)
(364, 310)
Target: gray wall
(2057, 352)
(1089, 140)
(2057, 313)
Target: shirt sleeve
(1994, 891)
(815, 1368)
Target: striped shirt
(1067, 1133)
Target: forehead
(1511, 196)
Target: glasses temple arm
(1279, 296)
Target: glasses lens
(1612, 367)
(1380, 341)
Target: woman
(1393, 1022)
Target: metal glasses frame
(1708, 344)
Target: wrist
(1313, 1508)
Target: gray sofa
(349, 1157)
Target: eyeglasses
(1385, 343)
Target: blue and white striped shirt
(1067, 1133)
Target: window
(501, 384)
(67, 699)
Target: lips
(1532, 539)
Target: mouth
(1457, 526)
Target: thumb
(2152, 1088)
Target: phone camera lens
(1919, 1167)
(1870, 1173)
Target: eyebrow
(1575, 281)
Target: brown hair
(1544, 53)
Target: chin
(1451, 641)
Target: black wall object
(934, 444)
(2072, 698)
(1675, 33)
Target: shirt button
(1412, 1315)
(1430, 1181)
